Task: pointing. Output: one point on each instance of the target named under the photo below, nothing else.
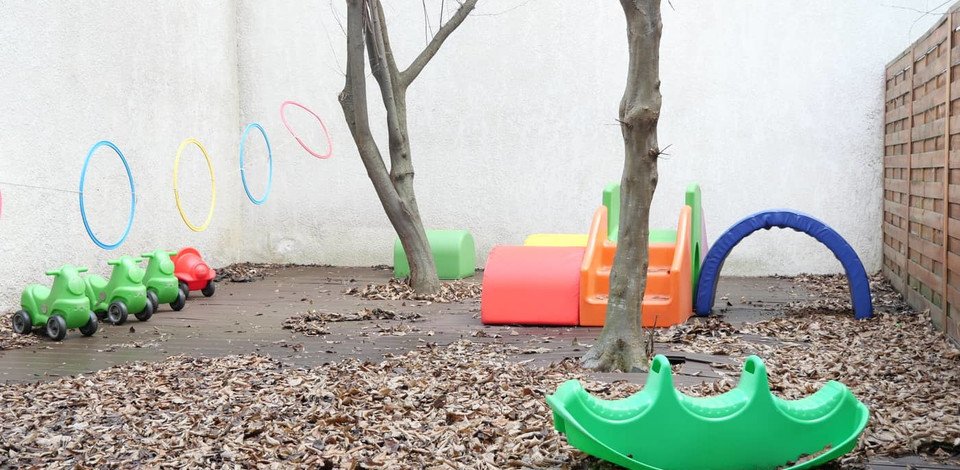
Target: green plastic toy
(747, 427)
(162, 285)
(123, 293)
(454, 254)
(698, 242)
(59, 308)
(611, 199)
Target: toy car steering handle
(116, 262)
(151, 255)
(56, 272)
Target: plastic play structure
(75, 301)
(163, 287)
(283, 117)
(193, 272)
(556, 239)
(122, 294)
(243, 168)
(747, 427)
(454, 254)
(56, 309)
(176, 185)
(553, 279)
(533, 284)
(669, 297)
(133, 196)
(856, 274)
(177, 193)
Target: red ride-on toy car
(194, 273)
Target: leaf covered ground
(469, 404)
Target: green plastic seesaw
(747, 427)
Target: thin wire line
(928, 12)
(39, 187)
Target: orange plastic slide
(668, 299)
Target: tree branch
(387, 50)
(410, 74)
(353, 100)
(393, 101)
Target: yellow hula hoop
(176, 189)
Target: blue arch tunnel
(785, 218)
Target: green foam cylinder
(454, 253)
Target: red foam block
(532, 285)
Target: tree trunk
(367, 31)
(621, 344)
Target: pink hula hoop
(323, 126)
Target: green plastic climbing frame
(698, 242)
(747, 427)
(453, 252)
(611, 199)
(697, 239)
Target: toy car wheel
(185, 289)
(117, 313)
(152, 299)
(146, 313)
(180, 302)
(209, 289)
(91, 327)
(21, 323)
(56, 328)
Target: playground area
(418, 383)
(316, 235)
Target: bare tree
(367, 31)
(621, 344)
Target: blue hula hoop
(243, 174)
(133, 196)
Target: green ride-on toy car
(162, 285)
(122, 294)
(59, 308)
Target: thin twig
(415, 67)
(503, 11)
(427, 30)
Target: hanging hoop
(133, 196)
(176, 189)
(243, 174)
(323, 126)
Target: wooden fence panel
(921, 173)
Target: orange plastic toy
(668, 299)
(532, 285)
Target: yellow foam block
(556, 239)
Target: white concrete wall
(766, 104)
(143, 75)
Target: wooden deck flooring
(245, 318)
